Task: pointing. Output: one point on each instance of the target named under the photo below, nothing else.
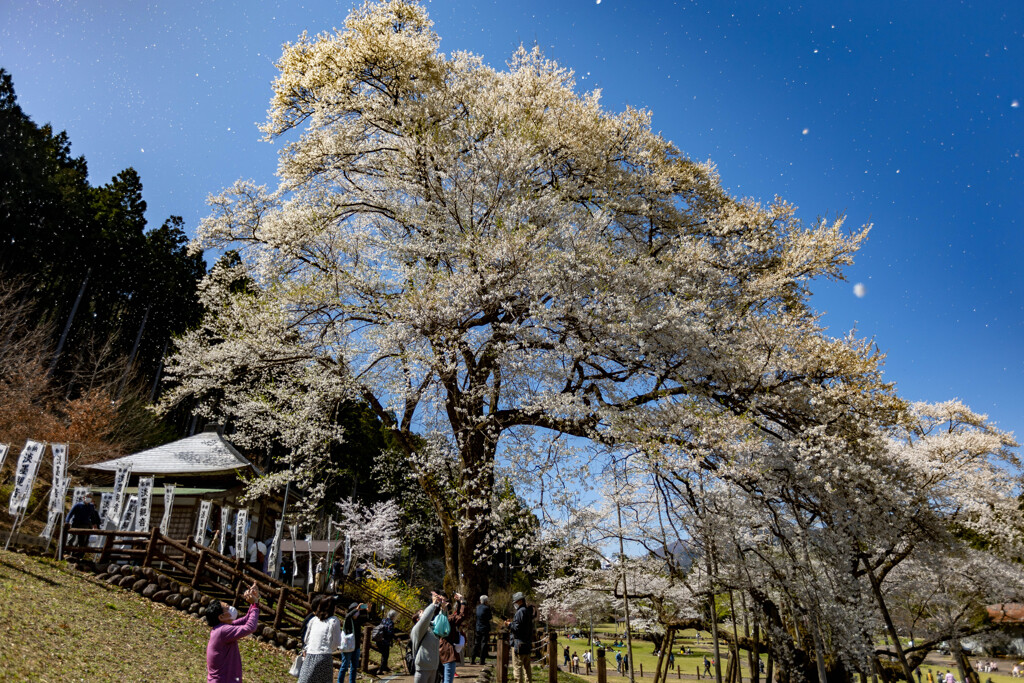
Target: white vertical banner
(275, 546)
(309, 546)
(241, 525)
(25, 475)
(106, 503)
(58, 488)
(294, 529)
(203, 521)
(56, 514)
(4, 447)
(60, 469)
(78, 495)
(145, 503)
(165, 522)
(225, 524)
(348, 556)
(131, 510)
(121, 476)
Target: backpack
(377, 635)
(441, 626)
(410, 657)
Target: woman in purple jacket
(223, 660)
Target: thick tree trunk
(967, 672)
(474, 574)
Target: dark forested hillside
(56, 230)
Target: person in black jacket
(482, 630)
(386, 638)
(83, 516)
(521, 631)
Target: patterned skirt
(317, 669)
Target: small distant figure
(707, 666)
(618, 662)
(483, 632)
(587, 661)
(950, 678)
(83, 516)
(575, 663)
(566, 656)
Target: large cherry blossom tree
(478, 252)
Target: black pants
(480, 646)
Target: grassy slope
(56, 625)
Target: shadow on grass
(49, 582)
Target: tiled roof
(303, 547)
(1006, 613)
(205, 453)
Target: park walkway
(466, 673)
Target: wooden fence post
(364, 655)
(61, 540)
(199, 568)
(552, 657)
(151, 547)
(107, 545)
(602, 666)
(239, 580)
(502, 656)
(641, 669)
(282, 595)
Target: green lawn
(58, 625)
(643, 656)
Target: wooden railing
(202, 568)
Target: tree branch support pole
(876, 588)
(364, 655)
(502, 654)
(713, 616)
(552, 657)
(625, 597)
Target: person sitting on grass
(223, 660)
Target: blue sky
(905, 115)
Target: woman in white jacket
(323, 637)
